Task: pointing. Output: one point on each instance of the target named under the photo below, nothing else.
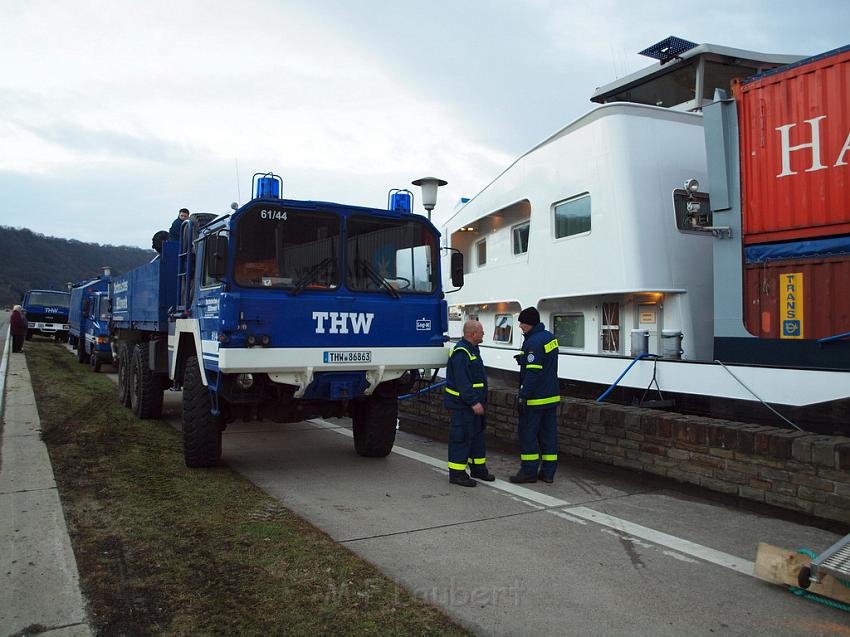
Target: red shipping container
(795, 151)
(824, 309)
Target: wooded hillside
(30, 260)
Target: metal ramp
(833, 561)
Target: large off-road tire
(82, 357)
(72, 341)
(145, 386)
(95, 361)
(373, 422)
(201, 430)
(124, 374)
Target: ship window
(481, 252)
(569, 329)
(697, 220)
(519, 234)
(572, 216)
(720, 75)
(672, 88)
(504, 328)
(611, 328)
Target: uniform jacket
(466, 380)
(538, 376)
(17, 324)
(174, 232)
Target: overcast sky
(115, 114)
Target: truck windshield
(56, 299)
(396, 255)
(278, 248)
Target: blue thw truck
(283, 310)
(89, 321)
(47, 313)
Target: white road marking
(571, 512)
(566, 516)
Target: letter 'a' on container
(795, 150)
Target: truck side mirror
(457, 269)
(216, 256)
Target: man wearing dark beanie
(529, 316)
(537, 401)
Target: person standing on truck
(17, 328)
(537, 401)
(465, 396)
(174, 232)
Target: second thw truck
(89, 320)
(282, 310)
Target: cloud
(123, 112)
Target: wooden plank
(781, 566)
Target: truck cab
(285, 310)
(89, 318)
(47, 313)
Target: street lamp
(429, 191)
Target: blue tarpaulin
(831, 247)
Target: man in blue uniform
(174, 232)
(465, 396)
(537, 400)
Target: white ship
(601, 228)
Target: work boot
(462, 480)
(546, 479)
(523, 478)
(485, 475)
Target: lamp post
(429, 192)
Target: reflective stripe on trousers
(538, 435)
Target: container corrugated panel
(795, 151)
(820, 301)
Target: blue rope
(836, 337)
(614, 384)
(422, 391)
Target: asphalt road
(600, 552)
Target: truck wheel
(201, 430)
(81, 352)
(95, 362)
(145, 386)
(124, 374)
(73, 341)
(374, 421)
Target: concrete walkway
(39, 581)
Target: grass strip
(162, 549)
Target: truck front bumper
(297, 366)
(48, 328)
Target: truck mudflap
(193, 328)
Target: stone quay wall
(795, 470)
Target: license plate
(347, 357)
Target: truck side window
(207, 280)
